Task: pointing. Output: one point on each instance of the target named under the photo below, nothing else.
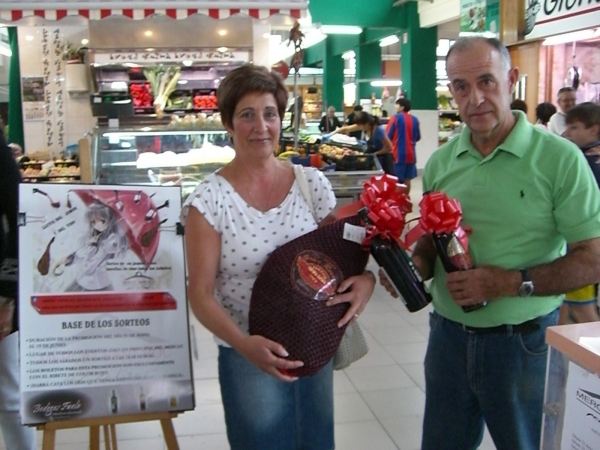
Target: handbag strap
(303, 185)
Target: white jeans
(16, 436)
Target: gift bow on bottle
(439, 215)
(388, 204)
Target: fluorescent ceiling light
(349, 54)
(485, 34)
(571, 37)
(340, 29)
(310, 71)
(222, 49)
(187, 62)
(85, 41)
(380, 83)
(388, 40)
(182, 82)
(128, 64)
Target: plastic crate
(353, 162)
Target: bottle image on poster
(142, 400)
(114, 403)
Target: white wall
(76, 112)
(428, 122)
(438, 12)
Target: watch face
(526, 289)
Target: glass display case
(159, 154)
(184, 154)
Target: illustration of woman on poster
(104, 240)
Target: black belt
(522, 328)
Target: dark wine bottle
(399, 269)
(454, 258)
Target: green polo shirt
(524, 201)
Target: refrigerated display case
(158, 154)
(150, 154)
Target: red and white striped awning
(16, 15)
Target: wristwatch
(526, 288)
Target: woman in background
(543, 112)
(378, 142)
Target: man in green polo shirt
(525, 193)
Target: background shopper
(350, 121)
(583, 129)
(15, 436)
(566, 100)
(404, 132)
(543, 112)
(329, 122)
(377, 141)
(234, 219)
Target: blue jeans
(472, 378)
(263, 413)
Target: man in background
(329, 122)
(404, 132)
(350, 121)
(566, 100)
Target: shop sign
(549, 17)
(479, 16)
(102, 304)
(170, 57)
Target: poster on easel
(102, 302)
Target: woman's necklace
(266, 208)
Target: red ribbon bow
(388, 205)
(439, 214)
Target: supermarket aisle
(378, 400)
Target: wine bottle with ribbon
(397, 266)
(441, 217)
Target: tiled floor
(378, 400)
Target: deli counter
(184, 154)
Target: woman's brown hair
(247, 79)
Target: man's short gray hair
(465, 43)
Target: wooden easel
(108, 425)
